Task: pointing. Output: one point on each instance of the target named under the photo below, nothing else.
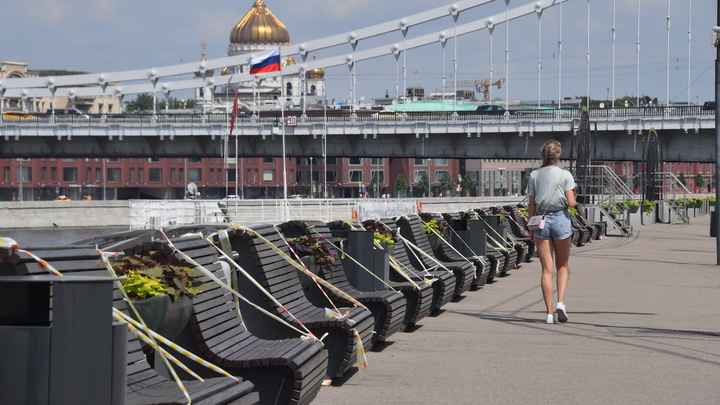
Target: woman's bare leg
(544, 249)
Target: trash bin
(60, 345)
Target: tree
(682, 179)
(143, 102)
(401, 185)
(424, 184)
(446, 182)
(699, 181)
(468, 183)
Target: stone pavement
(643, 329)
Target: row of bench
(278, 365)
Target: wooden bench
(443, 287)
(418, 296)
(280, 279)
(388, 307)
(445, 253)
(285, 371)
(411, 228)
(518, 231)
(498, 261)
(143, 385)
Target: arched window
(289, 89)
(312, 90)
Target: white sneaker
(550, 318)
(560, 312)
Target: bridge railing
(344, 116)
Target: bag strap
(555, 192)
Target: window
(6, 174)
(131, 175)
(194, 160)
(421, 162)
(439, 174)
(69, 160)
(315, 176)
(298, 161)
(331, 176)
(269, 160)
(268, 175)
(356, 176)
(211, 175)
(27, 174)
(181, 176)
(441, 162)
(195, 175)
(355, 161)
(172, 175)
(155, 175)
(298, 176)
(88, 175)
(331, 160)
(43, 174)
(377, 161)
(113, 175)
(232, 176)
(97, 175)
(418, 175)
(53, 174)
(113, 160)
(154, 160)
(379, 175)
(141, 177)
(312, 161)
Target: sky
(109, 35)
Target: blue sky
(110, 35)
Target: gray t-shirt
(542, 184)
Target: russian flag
(270, 62)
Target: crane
(481, 86)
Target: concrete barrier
(49, 214)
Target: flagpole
(282, 128)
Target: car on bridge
(62, 198)
(709, 105)
(491, 109)
(389, 114)
(13, 115)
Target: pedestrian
(551, 191)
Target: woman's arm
(570, 196)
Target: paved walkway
(644, 329)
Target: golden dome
(289, 61)
(259, 26)
(315, 74)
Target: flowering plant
(382, 233)
(318, 248)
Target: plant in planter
(318, 251)
(161, 288)
(382, 234)
(632, 206)
(573, 211)
(647, 206)
(434, 232)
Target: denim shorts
(557, 226)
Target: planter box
(360, 245)
(163, 316)
(469, 237)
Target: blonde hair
(550, 152)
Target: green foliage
(648, 206)
(383, 237)
(468, 182)
(446, 182)
(143, 102)
(573, 211)
(424, 184)
(432, 226)
(382, 233)
(174, 104)
(699, 181)
(56, 72)
(376, 184)
(682, 179)
(401, 185)
(155, 273)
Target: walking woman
(551, 192)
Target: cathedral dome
(259, 26)
(315, 74)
